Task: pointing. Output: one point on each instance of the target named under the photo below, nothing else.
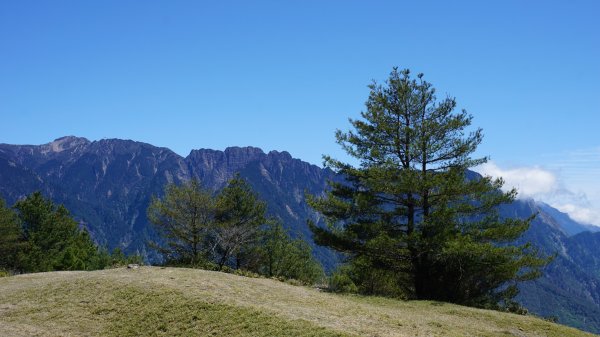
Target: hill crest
(181, 302)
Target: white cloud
(545, 185)
(581, 214)
(529, 181)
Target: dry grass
(154, 301)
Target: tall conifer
(412, 209)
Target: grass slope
(153, 301)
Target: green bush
(246, 273)
(341, 282)
(286, 258)
(363, 277)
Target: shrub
(341, 282)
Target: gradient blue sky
(283, 75)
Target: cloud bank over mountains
(547, 186)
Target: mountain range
(108, 184)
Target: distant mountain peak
(249, 152)
(567, 224)
(64, 143)
(70, 138)
(283, 154)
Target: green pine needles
(37, 235)
(228, 230)
(413, 221)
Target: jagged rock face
(215, 168)
(108, 184)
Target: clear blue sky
(283, 75)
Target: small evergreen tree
(116, 258)
(285, 257)
(184, 218)
(411, 209)
(52, 240)
(239, 217)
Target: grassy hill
(153, 301)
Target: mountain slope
(569, 289)
(154, 301)
(568, 225)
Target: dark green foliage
(289, 258)
(239, 217)
(52, 239)
(47, 238)
(341, 281)
(409, 212)
(10, 238)
(363, 276)
(117, 258)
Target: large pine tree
(411, 209)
